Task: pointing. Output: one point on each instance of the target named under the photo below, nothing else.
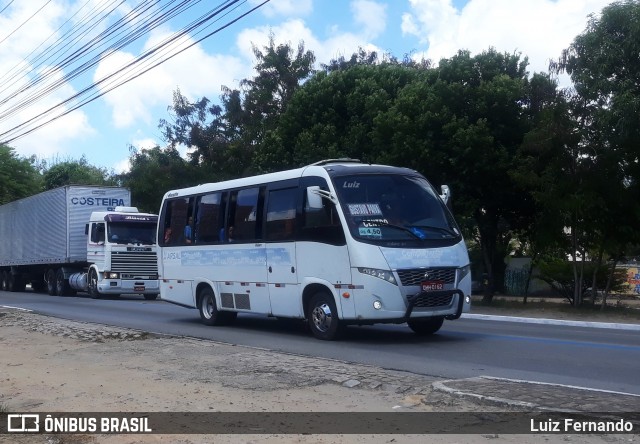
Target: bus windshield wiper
(382, 223)
(441, 229)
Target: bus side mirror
(446, 195)
(314, 198)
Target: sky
(48, 72)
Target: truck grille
(135, 263)
(416, 276)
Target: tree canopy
(18, 176)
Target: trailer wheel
(51, 282)
(16, 283)
(62, 284)
(39, 286)
(93, 284)
(4, 281)
(10, 281)
(322, 317)
(425, 327)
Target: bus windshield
(381, 208)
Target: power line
(23, 23)
(147, 61)
(8, 4)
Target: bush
(559, 275)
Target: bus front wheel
(425, 327)
(322, 317)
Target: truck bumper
(122, 286)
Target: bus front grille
(426, 300)
(414, 277)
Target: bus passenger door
(281, 250)
(321, 246)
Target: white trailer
(78, 238)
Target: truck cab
(121, 253)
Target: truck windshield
(140, 233)
(390, 208)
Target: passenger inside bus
(228, 236)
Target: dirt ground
(53, 365)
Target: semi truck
(79, 238)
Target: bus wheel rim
(322, 317)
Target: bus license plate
(138, 288)
(432, 285)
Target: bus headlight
(385, 275)
(464, 272)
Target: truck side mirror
(86, 229)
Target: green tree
(19, 177)
(604, 67)
(465, 130)
(224, 138)
(155, 171)
(76, 172)
(334, 115)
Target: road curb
(540, 396)
(610, 325)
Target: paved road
(605, 359)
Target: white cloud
(285, 7)
(294, 31)
(371, 16)
(194, 72)
(27, 32)
(539, 29)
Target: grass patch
(616, 308)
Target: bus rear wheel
(425, 327)
(209, 312)
(322, 317)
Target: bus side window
(174, 220)
(281, 214)
(245, 214)
(209, 218)
(321, 224)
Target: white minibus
(335, 243)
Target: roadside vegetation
(621, 308)
(536, 170)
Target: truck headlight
(111, 275)
(385, 275)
